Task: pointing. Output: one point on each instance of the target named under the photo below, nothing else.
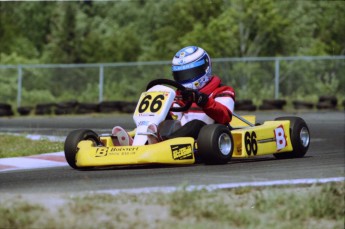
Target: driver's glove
(195, 96)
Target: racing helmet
(191, 67)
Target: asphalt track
(325, 159)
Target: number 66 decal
(152, 104)
(251, 143)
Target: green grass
(15, 146)
(307, 206)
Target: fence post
(19, 85)
(276, 79)
(101, 82)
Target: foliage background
(130, 31)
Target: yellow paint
(264, 140)
(260, 140)
(236, 123)
(174, 151)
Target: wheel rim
(304, 136)
(224, 144)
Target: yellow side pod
(268, 138)
(236, 122)
(174, 151)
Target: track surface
(325, 159)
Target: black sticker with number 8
(153, 105)
(251, 143)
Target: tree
(98, 31)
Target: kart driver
(212, 102)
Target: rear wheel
(215, 144)
(300, 138)
(71, 144)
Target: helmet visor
(182, 75)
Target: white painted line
(61, 153)
(30, 162)
(223, 186)
(36, 137)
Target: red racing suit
(218, 109)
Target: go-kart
(285, 137)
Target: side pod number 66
(251, 143)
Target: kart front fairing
(174, 151)
(152, 108)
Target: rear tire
(300, 138)
(215, 144)
(71, 144)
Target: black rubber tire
(5, 112)
(24, 110)
(208, 144)
(87, 108)
(110, 106)
(64, 110)
(277, 104)
(302, 105)
(129, 107)
(5, 106)
(266, 107)
(296, 126)
(325, 105)
(331, 99)
(245, 107)
(6, 109)
(241, 102)
(44, 108)
(71, 144)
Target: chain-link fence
(252, 78)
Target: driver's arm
(220, 109)
(220, 105)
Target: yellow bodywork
(249, 141)
(261, 140)
(174, 151)
(237, 123)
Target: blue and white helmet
(191, 67)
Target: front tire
(71, 144)
(300, 138)
(215, 144)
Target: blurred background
(98, 51)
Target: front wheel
(72, 141)
(215, 144)
(300, 138)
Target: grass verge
(15, 146)
(307, 206)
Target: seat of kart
(167, 127)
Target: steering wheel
(173, 84)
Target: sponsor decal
(188, 66)
(150, 103)
(280, 137)
(116, 151)
(182, 152)
(101, 152)
(143, 123)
